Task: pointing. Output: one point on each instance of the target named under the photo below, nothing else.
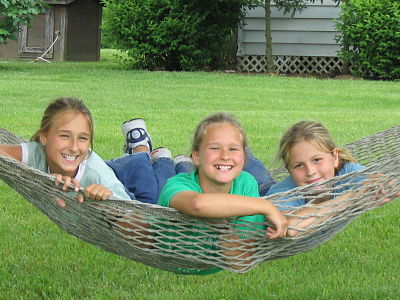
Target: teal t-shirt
(93, 170)
(245, 185)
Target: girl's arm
(221, 205)
(321, 211)
(13, 151)
(301, 223)
(93, 191)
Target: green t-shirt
(245, 185)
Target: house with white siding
(303, 43)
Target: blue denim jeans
(144, 180)
(256, 168)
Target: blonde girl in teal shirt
(218, 188)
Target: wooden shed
(71, 26)
(304, 43)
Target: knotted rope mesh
(167, 239)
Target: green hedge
(173, 34)
(371, 30)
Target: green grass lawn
(38, 260)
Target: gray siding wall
(311, 33)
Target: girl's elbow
(196, 208)
(192, 206)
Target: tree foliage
(14, 13)
(371, 35)
(173, 34)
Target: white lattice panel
(292, 64)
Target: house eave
(62, 2)
(59, 2)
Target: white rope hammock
(179, 243)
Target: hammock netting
(169, 240)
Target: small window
(36, 38)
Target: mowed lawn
(40, 261)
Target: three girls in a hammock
(217, 187)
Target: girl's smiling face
(307, 164)
(67, 143)
(220, 158)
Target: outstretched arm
(13, 151)
(221, 205)
(316, 213)
(306, 216)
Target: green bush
(16, 12)
(173, 34)
(107, 40)
(371, 37)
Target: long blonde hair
(217, 118)
(58, 107)
(314, 133)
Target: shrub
(173, 34)
(371, 35)
(107, 40)
(16, 12)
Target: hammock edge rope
(116, 225)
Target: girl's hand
(389, 197)
(97, 192)
(279, 221)
(374, 185)
(67, 183)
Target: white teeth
(69, 157)
(224, 168)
